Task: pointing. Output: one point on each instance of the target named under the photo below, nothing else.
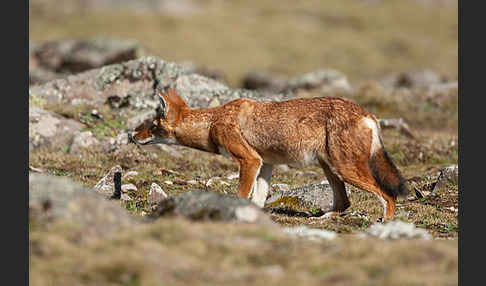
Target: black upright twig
(117, 181)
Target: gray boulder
(55, 59)
(201, 205)
(53, 199)
(315, 199)
(133, 82)
(50, 129)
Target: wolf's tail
(387, 175)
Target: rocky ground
(179, 205)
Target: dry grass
(362, 40)
(178, 252)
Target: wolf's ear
(175, 98)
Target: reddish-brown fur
(258, 135)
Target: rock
(233, 176)
(211, 73)
(448, 175)
(201, 205)
(441, 93)
(201, 92)
(50, 129)
(53, 199)
(156, 194)
(134, 81)
(313, 234)
(128, 188)
(397, 123)
(323, 80)
(106, 185)
(82, 140)
(266, 81)
(55, 59)
(412, 79)
(397, 229)
(315, 199)
(130, 174)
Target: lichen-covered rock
(50, 129)
(54, 199)
(315, 199)
(134, 80)
(448, 175)
(106, 185)
(201, 205)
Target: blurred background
(364, 39)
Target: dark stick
(117, 180)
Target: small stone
(168, 182)
(106, 184)
(128, 188)
(131, 174)
(397, 229)
(233, 176)
(313, 234)
(192, 182)
(156, 194)
(224, 183)
(211, 181)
